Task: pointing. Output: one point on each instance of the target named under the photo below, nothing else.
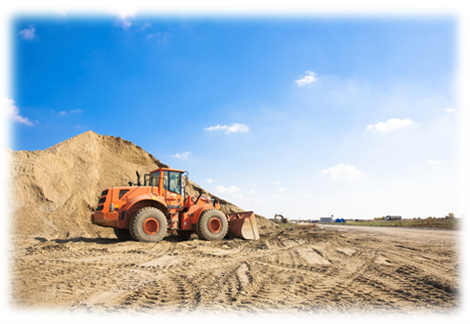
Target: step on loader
(147, 212)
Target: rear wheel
(122, 234)
(148, 225)
(212, 225)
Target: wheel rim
(151, 226)
(215, 225)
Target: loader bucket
(243, 225)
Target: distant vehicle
(282, 218)
(392, 217)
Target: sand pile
(53, 191)
(265, 226)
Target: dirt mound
(265, 226)
(53, 191)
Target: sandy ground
(421, 235)
(326, 269)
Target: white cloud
(432, 162)
(229, 190)
(277, 183)
(182, 156)
(28, 33)
(14, 112)
(258, 201)
(75, 111)
(210, 181)
(123, 13)
(159, 37)
(252, 191)
(449, 110)
(306, 194)
(62, 9)
(234, 128)
(282, 189)
(391, 124)
(145, 26)
(343, 172)
(309, 78)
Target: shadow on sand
(102, 240)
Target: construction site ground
(322, 269)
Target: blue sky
(309, 116)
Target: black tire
(184, 235)
(212, 225)
(122, 234)
(148, 225)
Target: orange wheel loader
(147, 212)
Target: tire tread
(203, 232)
(137, 233)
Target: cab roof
(166, 169)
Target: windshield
(175, 182)
(172, 181)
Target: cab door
(172, 183)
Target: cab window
(172, 181)
(154, 177)
(175, 182)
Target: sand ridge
(54, 191)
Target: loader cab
(167, 179)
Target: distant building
(388, 217)
(326, 219)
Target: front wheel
(212, 225)
(148, 225)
